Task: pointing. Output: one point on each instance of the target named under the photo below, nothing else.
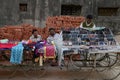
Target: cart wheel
(113, 70)
(105, 60)
(69, 63)
(75, 61)
(113, 59)
(88, 71)
(34, 71)
(111, 73)
(76, 65)
(31, 69)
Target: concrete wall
(39, 10)
(10, 13)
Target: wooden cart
(93, 50)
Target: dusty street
(55, 73)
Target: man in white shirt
(88, 22)
(58, 41)
(35, 36)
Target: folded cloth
(17, 54)
(39, 48)
(49, 51)
(6, 45)
(4, 41)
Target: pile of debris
(24, 31)
(18, 32)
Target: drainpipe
(37, 13)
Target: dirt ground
(55, 73)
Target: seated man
(57, 39)
(35, 36)
(88, 22)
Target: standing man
(88, 22)
(58, 41)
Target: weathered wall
(39, 10)
(108, 21)
(10, 14)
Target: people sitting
(35, 36)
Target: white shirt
(39, 38)
(57, 38)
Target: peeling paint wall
(39, 10)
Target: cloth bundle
(49, 51)
(17, 54)
(39, 48)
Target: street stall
(93, 49)
(21, 57)
(84, 49)
(16, 50)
